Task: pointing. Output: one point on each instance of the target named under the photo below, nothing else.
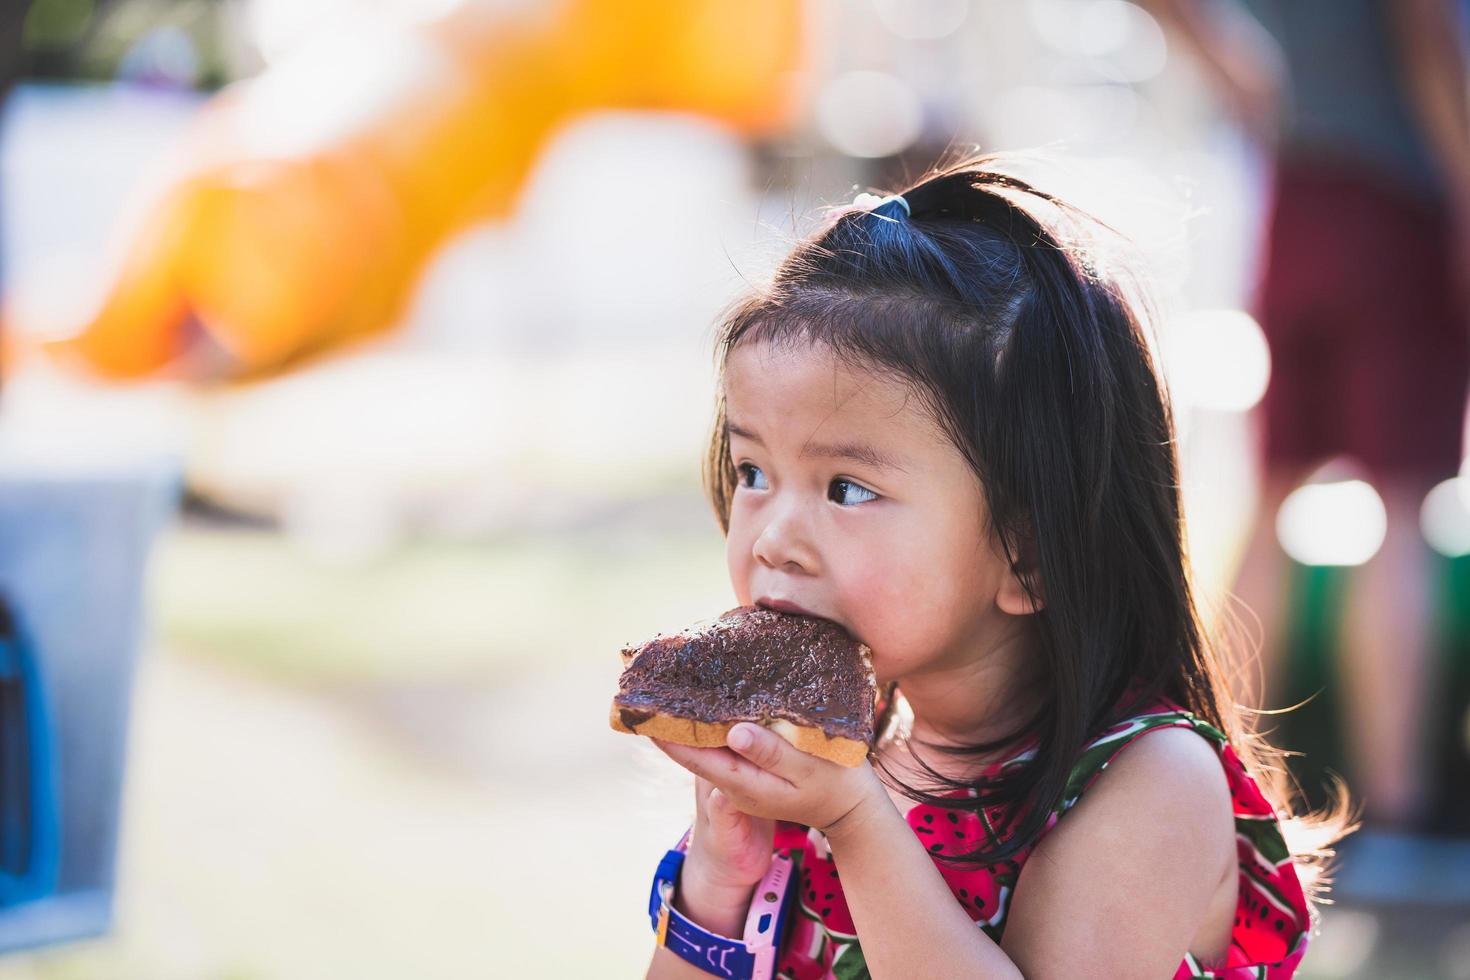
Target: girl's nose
(781, 544)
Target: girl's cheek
(900, 607)
(739, 561)
(874, 594)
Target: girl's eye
(863, 494)
(751, 470)
(843, 492)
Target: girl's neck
(981, 701)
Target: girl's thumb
(721, 809)
(719, 803)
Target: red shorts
(1369, 338)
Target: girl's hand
(763, 775)
(729, 851)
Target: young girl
(942, 428)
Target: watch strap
(751, 958)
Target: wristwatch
(751, 958)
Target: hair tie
(873, 202)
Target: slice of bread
(804, 678)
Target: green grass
(430, 609)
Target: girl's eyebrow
(859, 452)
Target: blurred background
(356, 373)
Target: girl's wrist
(860, 818)
(721, 909)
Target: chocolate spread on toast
(752, 664)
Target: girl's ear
(1013, 597)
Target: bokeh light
(1118, 41)
(1092, 115)
(869, 114)
(1340, 523)
(1445, 518)
(1217, 359)
(922, 20)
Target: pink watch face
(766, 906)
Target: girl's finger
(722, 813)
(733, 825)
(738, 777)
(702, 788)
(772, 753)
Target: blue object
(752, 958)
(74, 543)
(30, 824)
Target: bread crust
(711, 734)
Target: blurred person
(941, 428)
(1362, 298)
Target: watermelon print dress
(1272, 920)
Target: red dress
(1272, 919)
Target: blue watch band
(751, 958)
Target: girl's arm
(1121, 885)
(1119, 888)
(909, 922)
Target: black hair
(1037, 367)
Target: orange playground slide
(271, 248)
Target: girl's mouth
(782, 605)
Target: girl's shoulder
(1185, 747)
(1185, 767)
(1178, 783)
(1182, 746)
(1172, 784)
(1177, 809)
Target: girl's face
(852, 505)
